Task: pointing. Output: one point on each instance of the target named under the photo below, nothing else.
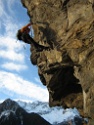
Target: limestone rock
(67, 67)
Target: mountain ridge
(12, 114)
(11, 111)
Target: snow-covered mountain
(53, 115)
(12, 114)
(36, 113)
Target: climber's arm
(25, 27)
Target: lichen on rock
(67, 67)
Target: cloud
(13, 66)
(11, 55)
(1, 8)
(5, 14)
(10, 49)
(6, 9)
(20, 86)
(10, 28)
(7, 42)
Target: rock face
(67, 67)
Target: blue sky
(18, 77)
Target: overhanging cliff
(67, 67)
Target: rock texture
(67, 67)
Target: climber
(23, 34)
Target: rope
(31, 31)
